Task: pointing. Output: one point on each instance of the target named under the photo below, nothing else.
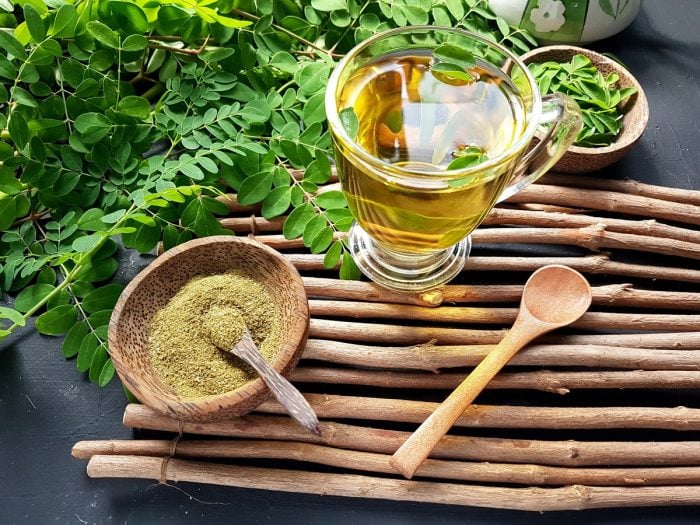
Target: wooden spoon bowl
(160, 281)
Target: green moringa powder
(188, 335)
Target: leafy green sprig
(122, 122)
(597, 96)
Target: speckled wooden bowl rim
(236, 402)
(631, 132)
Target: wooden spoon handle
(287, 394)
(421, 443)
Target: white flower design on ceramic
(548, 15)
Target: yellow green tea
(413, 118)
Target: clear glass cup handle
(560, 123)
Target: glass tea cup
(424, 152)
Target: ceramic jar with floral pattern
(568, 21)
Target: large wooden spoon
(553, 297)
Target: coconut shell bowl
(161, 280)
(635, 109)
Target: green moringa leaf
(322, 240)
(277, 202)
(8, 212)
(31, 296)
(144, 237)
(329, 5)
(86, 242)
(86, 352)
(329, 200)
(171, 19)
(135, 43)
(103, 34)
(10, 44)
(129, 16)
(135, 106)
(454, 54)
(47, 275)
(12, 315)
(57, 321)
(65, 21)
(106, 374)
(348, 268)
(96, 271)
(98, 361)
(333, 255)
(73, 340)
(451, 70)
(348, 119)
(35, 24)
(297, 220)
(255, 188)
(102, 298)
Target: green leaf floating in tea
(467, 157)
(348, 119)
(394, 120)
(451, 62)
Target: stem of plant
(72, 273)
(153, 91)
(289, 33)
(350, 26)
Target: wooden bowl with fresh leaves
(614, 107)
(157, 284)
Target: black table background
(46, 406)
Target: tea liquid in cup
(424, 155)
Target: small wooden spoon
(553, 297)
(286, 393)
(221, 334)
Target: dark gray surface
(45, 405)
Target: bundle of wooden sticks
(380, 361)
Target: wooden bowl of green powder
(165, 329)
